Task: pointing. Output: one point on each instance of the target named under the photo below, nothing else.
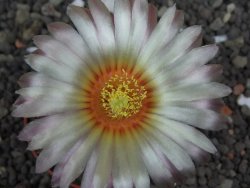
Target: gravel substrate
(226, 21)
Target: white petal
(87, 179)
(137, 168)
(38, 80)
(201, 118)
(60, 144)
(68, 36)
(197, 153)
(121, 175)
(55, 151)
(203, 74)
(165, 30)
(43, 106)
(122, 19)
(211, 104)
(139, 25)
(51, 68)
(57, 171)
(197, 92)
(176, 155)
(38, 126)
(174, 51)
(71, 124)
(179, 46)
(58, 51)
(183, 133)
(152, 19)
(78, 160)
(104, 161)
(155, 165)
(65, 91)
(103, 23)
(85, 26)
(184, 66)
(182, 43)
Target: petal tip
(22, 136)
(14, 113)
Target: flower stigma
(122, 96)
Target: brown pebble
(226, 110)
(238, 89)
(242, 152)
(230, 155)
(19, 44)
(231, 131)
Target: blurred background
(225, 22)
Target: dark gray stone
(216, 24)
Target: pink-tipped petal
(136, 166)
(105, 153)
(139, 25)
(152, 18)
(43, 106)
(55, 152)
(60, 92)
(201, 118)
(36, 127)
(122, 21)
(120, 172)
(20, 100)
(191, 61)
(163, 33)
(69, 37)
(58, 51)
(104, 24)
(203, 74)
(197, 154)
(212, 104)
(57, 171)
(180, 45)
(182, 132)
(179, 72)
(210, 90)
(51, 68)
(88, 176)
(57, 126)
(155, 165)
(78, 160)
(33, 80)
(85, 27)
(56, 147)
(175, 154)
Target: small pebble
(216, 24)
(48, 9)
(217, 3)
(240, 61)
(231, 7)
(243, 166)
(245, 110)
(226, 17)
(3, 111)
(220, 38)
(22, 13)
(162, 11)
(227, 183)
(238, 89)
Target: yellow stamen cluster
(122, 96)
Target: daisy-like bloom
(120, 99)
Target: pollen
(122, 96)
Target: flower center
(122, 96)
